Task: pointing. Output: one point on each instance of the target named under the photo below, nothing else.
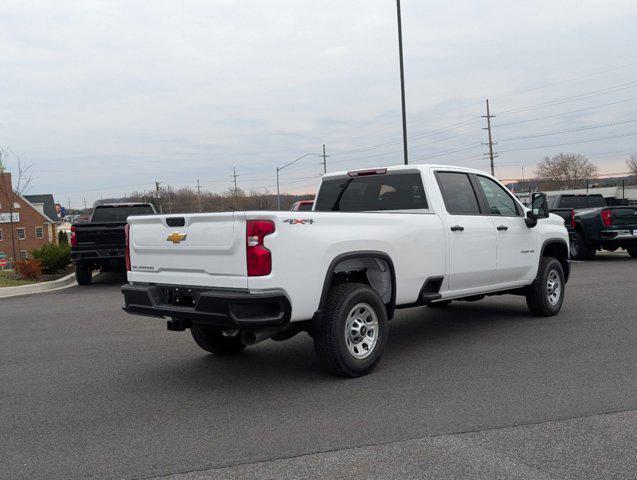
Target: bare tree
(631, 163)
(567, 169)
(9, 194)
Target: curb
(41, 287)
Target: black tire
(443, 304)
(580, 250)
(331, 339)
(213, 341)
(83, 274)
(632, 251)
(539, 298)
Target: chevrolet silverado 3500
(377, 240)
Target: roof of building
(47, 202)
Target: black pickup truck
(594, 226)
(101, 243)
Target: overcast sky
(107, 97)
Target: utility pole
(324, 160)
(158, 195)
(402, 81)
(199, 196)
(85, 204)
(236, 191)
(490, 143)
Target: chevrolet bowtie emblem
(176, 237)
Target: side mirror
(539, 209)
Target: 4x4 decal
(298, 221)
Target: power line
(569, 143)
(570, 130)
(500, 125)
(572, 98)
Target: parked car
(603, 228)
(303, 205)
(100, 243)
(565, 204)
(377, 240)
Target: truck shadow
(412, 336)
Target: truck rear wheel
(214, 341)
(353, 331)
(632, 251)
(83, 274)
(546, 293)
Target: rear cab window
(119, 213)
(581, 201)
(399, 190)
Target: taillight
(127, 248)
(73, 237)
(607, 218)
(259, 258)
(573, 218)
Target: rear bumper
(212, 307)
(619, 235)
(100, 256)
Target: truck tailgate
(99, 234)
(624, 217)
(189, 250)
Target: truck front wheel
(632, 251)
(353, 330)
(580, 250)
(546, 293)
(215, 341)
(83, 274)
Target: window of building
(16, 205)
(21, 234)
(1, 237)
(24, 254)
(39, 232)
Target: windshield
(399, 191)
(114, 213)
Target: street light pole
(402, 81)
(278, 169)
(278, 193)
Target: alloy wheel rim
(553, 287)
(361, 331)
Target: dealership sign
(6, 218)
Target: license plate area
(181, 296)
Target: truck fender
(357, 260)
(559, 249)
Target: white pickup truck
(377, 240)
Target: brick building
(30, 226)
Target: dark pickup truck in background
(101, 243)
(593, 225)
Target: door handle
(457, 228)
(502, 227)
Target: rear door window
(391, 191)
(458, 193)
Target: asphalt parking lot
(477, 390)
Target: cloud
(107, 95)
